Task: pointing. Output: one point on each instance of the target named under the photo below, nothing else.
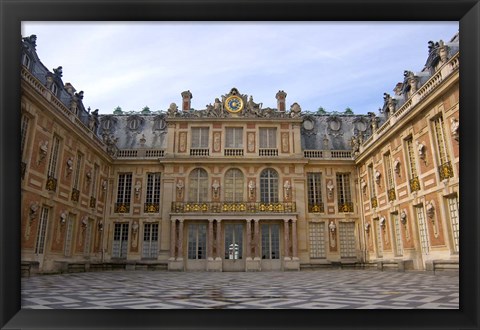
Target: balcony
(75, 195)
(445, 171)
(345, 207)
(122, 207)
(391, 194)
(232, 207)
(268, 152)
(233, 152)
(316, 208)
(140, 153)
(414, 184)
(93, 202)
(51, 184)
(199, 152)
(151, 207)
(374, 202)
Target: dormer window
(26, 61)
(54, 89)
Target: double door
(234, 247)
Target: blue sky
(334, 65)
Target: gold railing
(151, 207)
(345, 207)
(414, 184)
(122, 207)
(51, 184)
(374, 202)
(316, 208)
(391, 194)
(445, 171)
(75, 195)
(233, 207)
(93, 202)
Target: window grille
(199, 137)
(269, 186)
(315, 202)
(198, 185)
(317, 240)
(347, 239)
(150, 241)
(197, 241)
(270, 241)
(268, 137)
(422, 228)
(52, 163)
(454, 221)
(69, 235)
(42, 230)
(120, 240)
(234, 137)
(234, 185)
(398, 235)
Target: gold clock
(234, 104)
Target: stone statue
(295, 110)
(172, 110)
(58, 71)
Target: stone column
(294, 238)
(248, 240)
(256, 238)
(180, 240)
(173, 224)
(210, 239)
(219, 240)
(286, 237)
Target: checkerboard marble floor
(318, 289)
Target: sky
(333, 65)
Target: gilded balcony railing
(414, 184)
(51, 184)
(374, 202)
(391, 194)
(122, 207)
(445, 171)
(316, 208)
(75, 195)
(345, 207)
(151, 207)
(233, 207)
(93, 202)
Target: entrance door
(271, 247)
(233, 248)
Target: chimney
(186, 100)
(281, 96)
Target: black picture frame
(13, 12)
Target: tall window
(268, 137)
(270, 241)
(69, 235)
(78, 168)
(445, 167)
(378, 231)
(440, 140)
(88, 237)
(197, 241)
(152, 199)
(371, 183)
(346, 231)
(42, 230)
(199, 137)
(120, 240)
(124, 192)
(453, 210)
(150, 241)
(387, 161)
(422, 229)
(269, 186)
(23, 132)
(398, 235)
(52, 163)
(234, 137)
(412, 166)
(198, 185)
(317, 240)
(93, 192)
(344, 195)
(234, 185)
(314, 182)
(233, 241)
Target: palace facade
(237, 186)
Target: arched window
(269, 186)
(234, 185)
(198, 185)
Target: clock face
(233, 104)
